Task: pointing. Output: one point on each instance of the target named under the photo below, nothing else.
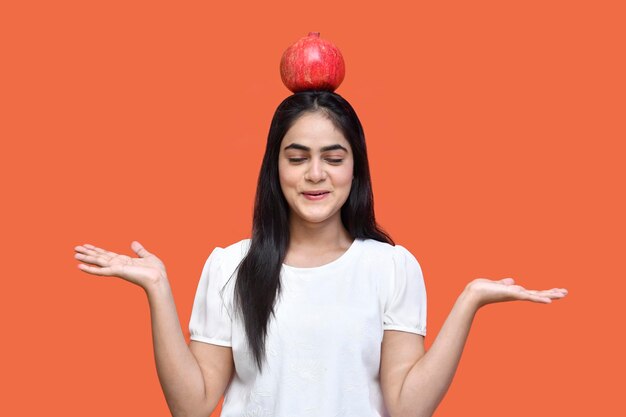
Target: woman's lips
(315, 196)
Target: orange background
(495, 131)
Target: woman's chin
(314, 218)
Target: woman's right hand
(146, 270)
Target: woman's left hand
(485, 291)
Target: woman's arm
(193, 378)
(414, 382)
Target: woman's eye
(329, 160)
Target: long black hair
(258, 278)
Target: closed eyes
(300, 160)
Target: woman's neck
(319, 237)
(316, 245)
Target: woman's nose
(316, 171)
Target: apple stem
(316, 34)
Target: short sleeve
(405, 307)
(210, 320)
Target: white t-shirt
(324, 344)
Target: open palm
(488, 291)
(142, 271)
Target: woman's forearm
(179, 373)
(429, 379)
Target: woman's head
(322, 106)
(315, 170)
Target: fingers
(545, 296)
(538, 298)
(100, 260)
(92, 250)
(91, 254)
(555, 293)
(551, 293)
(97, 257)
(95, 271)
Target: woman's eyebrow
(323, 149)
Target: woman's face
(315, 168)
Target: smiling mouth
(315, 196)
(320, 193)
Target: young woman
(319, 313)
